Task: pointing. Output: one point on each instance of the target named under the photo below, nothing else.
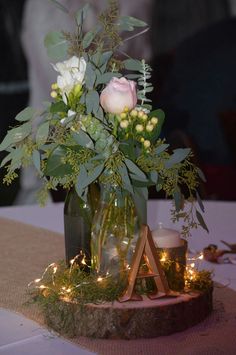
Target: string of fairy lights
(65, 291)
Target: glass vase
(78, 216)
(114, 233)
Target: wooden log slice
(130, 320)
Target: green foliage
(145, 75)
(56, 45)
(76, 142)
(61, 287)
(25, 115)
(16, 135)
(202, 281)
(128, 23)
(76, 285)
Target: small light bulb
(37, 280)
(83, 261)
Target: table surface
(19, 335)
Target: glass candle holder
(173, 261)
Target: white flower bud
(54, 86)
(124, 124)
(134, 113)
(139, 128)
(146, 143)
(154, 120)
(53, 94)
(149, 127)
(140, 114)
(123, 115)
(144, 117)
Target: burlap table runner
(26, 251)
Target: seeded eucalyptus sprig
(78, 141)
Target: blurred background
(191, 47)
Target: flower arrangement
(100, 125)
(100, 128)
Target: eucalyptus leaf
(132, 64)
(36, 160)
(89, 37)
(149, 89)
(177, 157)
(81, 181)
(133, 168)
(81, 14)
(16, 161)
(201, 221)
(95, 173)
(143, 192)
(125, 178)
(123, 26)
(47, 147)
(105, 78)
(60, 6)
(59, 106)
(83, 139)
(26, 114)
(143, 97)
(128, 148)
(154, 176)
(7, 158)
(140, 204)
(201, 175)
(133, 21)
(85, 177)
(42, 133)
(132, 76)
(105, 57)
(99, 114)
(90, 76)
(200, 203)
(56, 44)
(148, 107)
(55, 166)
(158, 187)
(128, 23)
(92, 101)
(178, 199)
(16, 135)
(136, 178)
(161, 148)
(161, 117)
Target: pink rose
(119, 94)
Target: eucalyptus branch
(145, 75)
(136, 35)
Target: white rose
(72, 72)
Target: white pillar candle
(166, 238)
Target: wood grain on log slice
(130, 320)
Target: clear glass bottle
(114, 232)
